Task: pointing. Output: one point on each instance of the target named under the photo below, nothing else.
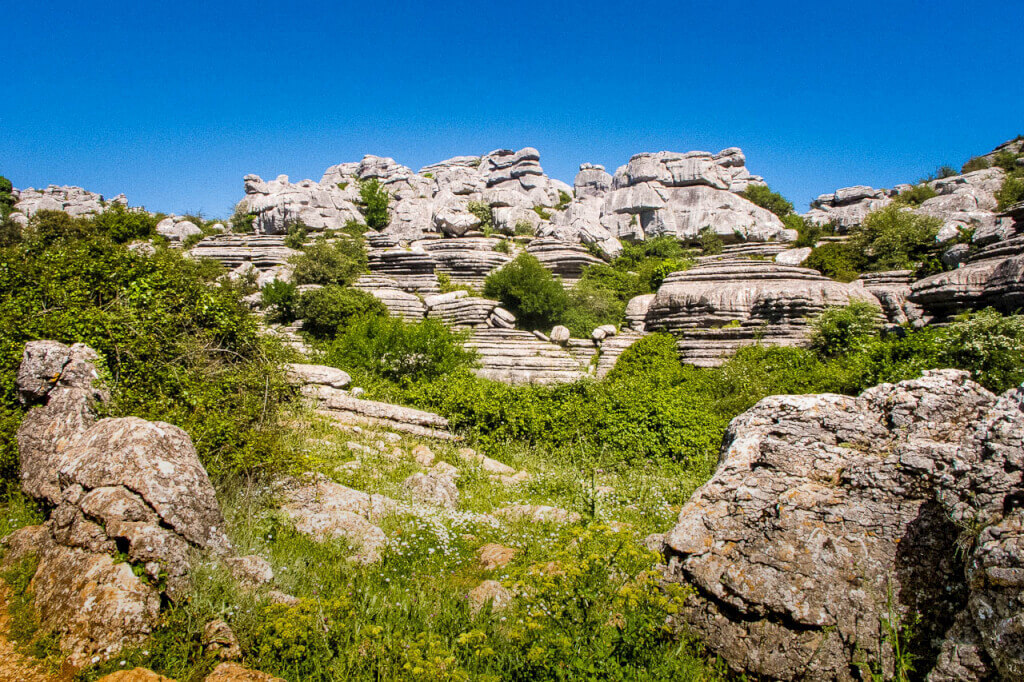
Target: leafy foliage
(529, 290)
(1011, 191)
(296, 236)
(340, 261)
(281, 299)
(400, 351)
(976, 163)
(374, 200)
(242, 220)
(325, 310)
(839, 331)
(178, 346)
(484, 213)
(916, 195)
(767, 199)
(710, 242)
(6, 196)
(838, 260)
(893, 239)
(590, 307)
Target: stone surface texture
(831, 516)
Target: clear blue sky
(172, 103)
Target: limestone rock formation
(177, 229)
(831, 516)
(723, 304)
(847, 207)
(892, 288)
(992, 276)
(400, 303)
(279, 203)
(74, 201)
(124, 486)
(519, 357)
(263, 252)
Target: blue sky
(173, 103)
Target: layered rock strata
(721, 305)
(519, 357)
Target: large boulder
(74, 201)
(125, 488)
(834, 520)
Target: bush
(893, 239)
(340, 262)
(281, 299)
(523, 228)
(374, 200)
(915, 196)
(242, 220)
(296, 236)
(325, 310)
(976, 163)
(178, 346)
(590, 307)
(503, 246)
(842, 330)
(484, 214)
(989, 345)
(767, 199)
(6, 196)
(1006, 160)
(1011, 191)
(624, 283)
(808, 232)
(400, 351)
(710, 242)
(838, 260)
(529, 290)
(564, 199)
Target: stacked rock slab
(263, 252)
(992, 276)
(411, 268)
(614, 346)
(117, 486)
(892, 288)
(459, 310)
(74, 201)
(719, 306)
(833, 520)
(519, 357)
(562, 258)
(466, 260)
(400, 303)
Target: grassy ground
(587, 604)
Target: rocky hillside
(473, 423)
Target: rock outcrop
(125, 487)
(833, 520)
(992, 276)
(721, 305)
(847, 207)
(519, 357)
(74, 201)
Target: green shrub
(945, 172)
(340, 262)
(989, 345)
(590, 307)
(838, 260)
(624, 283)
(325, 310)
(529, 290)
(503, 246)
(1006, 160)
(6, 196)
(894, 239)
(281, 299)
(915, 196)
(842, 330)
(976, 163)
(1011, 191)
(179, 347)
(655, 356)
(767, 199)
(662, 247)
(808, 232)
(374, 200)
(710, 242)
(484, 213)
(543, 212)
(523, 228)
(400, 351)
(564, 199)
(295, 238)
(242, 220)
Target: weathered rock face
(74, 201)
(177, 229)
(830, 515)
(519, 357)
(892, 288)
(847, 207)
(992, 276)
(662, 193)
(721, 305)
(263, 252)
(680, 194)
(118, 486)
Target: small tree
(340, 262)
(767, 199)
(894, 239)
(841, 330)
(6, 196)
(374, 200)
(710, 242)
(529, 290)
(325, 310)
